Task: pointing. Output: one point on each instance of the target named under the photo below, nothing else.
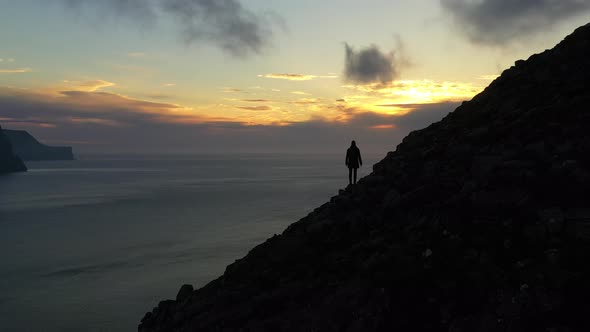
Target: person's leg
(355, 175)
(350, 175)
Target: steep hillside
(479, 222)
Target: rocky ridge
(8, 161)
(479, 222)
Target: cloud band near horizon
(111, 122)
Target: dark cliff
(479, 222)
(28, 148)
(8, 161)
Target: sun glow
(420, 91)
(401, 97)
(396, 98)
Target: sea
(94, 243)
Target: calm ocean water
(92, 244)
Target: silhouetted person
(353, 161)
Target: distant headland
(28, 148)
(9, 162)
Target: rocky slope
(8, 161)
(479, 222)
(28, 148)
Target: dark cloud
(497, 22)
(369, 65)
(224, 23)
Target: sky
(230, 76)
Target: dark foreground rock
(28, 148)
(480, 222)
(9, 162)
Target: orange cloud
(87, 86)
(383, 126)
(256, 100)
(296, 77)
(290, 77)
(96, 107)
(92, 100)
(231, 90)
(158, 96)
(305, 101)
(28, 122)
(104, 122)
(15, 71)
(255, 108)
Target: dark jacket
(353, 157)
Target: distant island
(9, 162)
(27, 147)
(479, 222)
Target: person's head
(353, 143)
